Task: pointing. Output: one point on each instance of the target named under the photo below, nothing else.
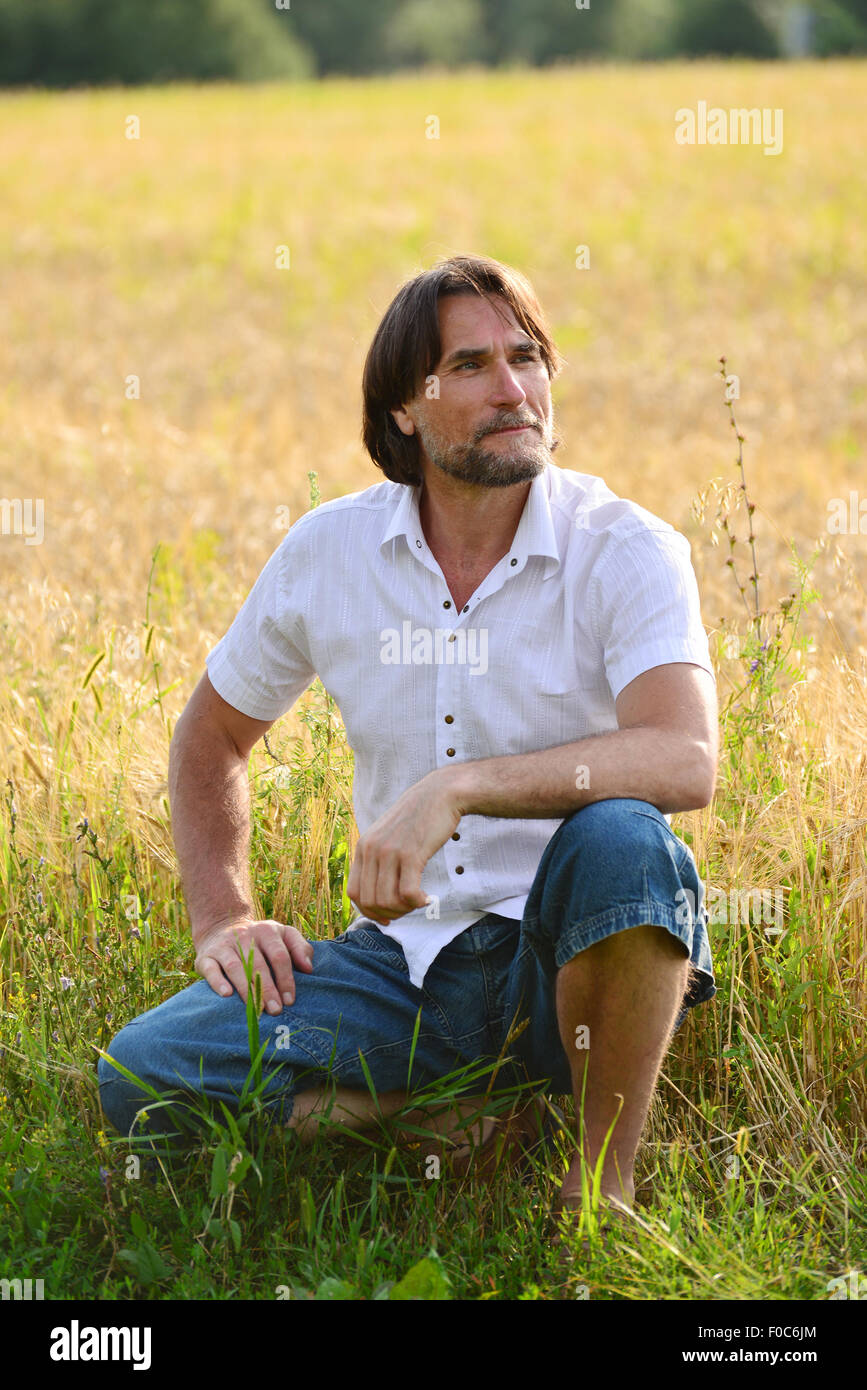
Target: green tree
(840, 26)
(60, 43)
(721, 28)
(642, 29)
(345, 35)
(437, 31)
(543, 31)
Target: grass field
(154, 259)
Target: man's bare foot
(483, 1146)
(613, 1218)
(450, 1129)
(616, 1203)
(507, 1140)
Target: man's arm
(664, 752)
(210, 801)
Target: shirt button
(513, 562)
(452, 638)
(459, 868)
(466, 608)
(418, 543)
(447, 603)
(449, 719)
(450, 752)
(456, 836)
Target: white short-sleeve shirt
(593, 591)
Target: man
(519, 660)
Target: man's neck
(467, 525)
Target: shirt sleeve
(647, 607)
(261, 665)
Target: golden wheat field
(232, 262)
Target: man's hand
(274, 945)
(385, 879)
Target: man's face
(491, 377)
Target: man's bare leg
(357, 1110)
(626, 991)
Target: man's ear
(403, 421)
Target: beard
(520, 462)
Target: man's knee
(153, 1049)
(608, 855)
(119, 1097)
(613, 825)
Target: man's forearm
(210, 800)
(656, 765)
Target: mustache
(511, 425)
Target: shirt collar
(534, 536)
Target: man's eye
(528, 357)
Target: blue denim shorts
(611, 865)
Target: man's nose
(506, 388)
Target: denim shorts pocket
(383, 945)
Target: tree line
(68, 43)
